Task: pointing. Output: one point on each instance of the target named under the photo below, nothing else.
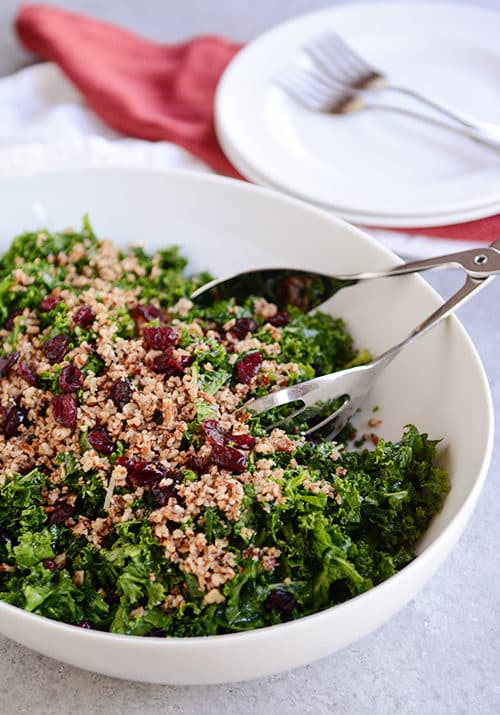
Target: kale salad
(135, 498)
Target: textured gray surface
(439, 655)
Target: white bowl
(438, 384)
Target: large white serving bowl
(438, 384)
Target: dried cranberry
(242, 441)
(214, 431)
(243, 326)
(56, 348)
(146, 473)
(280, 319)
(7, 362)
(49, 564)
(64, 410)
(161, 493)
(163, 364)
(62, 511)
(249, 366)
(142, 472)
(197, 464)
(84, 316)
(43, 469)
(185, 361)
(281, 601)
(70, 379)
(228, 458)
(27, 373)
(49, 303)
(100, 440)
(129, 463)
(166, 364)
(13, 417)
(120, 393)
(112, 597)
(160, 338)
(145, 313)
(9, 323)
(216, 434)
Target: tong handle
(463, 294)
(476, 262)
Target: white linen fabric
(45, 124)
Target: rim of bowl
(215, 641)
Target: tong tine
(345, 412)
(354, 384)
(289, 418)
(316, 426)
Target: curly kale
(333, 544)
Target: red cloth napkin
(140, 88)
(158, 92)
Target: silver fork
(337, 81)
(352, 386)
(340, 61)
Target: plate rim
(405, 218)
(366, 219)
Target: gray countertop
(440, 654)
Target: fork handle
(484, 132)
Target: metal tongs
(328, 402)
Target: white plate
(438, 383)
(375, 165)
(363, 219)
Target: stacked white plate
(373, 167)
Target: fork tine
(330, 73)
(293, 87)
(306, 75)
(331, 41)
(330, 418)
(307, 86)
(342, 63)
(317, 82)
(339, 64)
(332, 81)
(301, 93)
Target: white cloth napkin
(46, 125)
